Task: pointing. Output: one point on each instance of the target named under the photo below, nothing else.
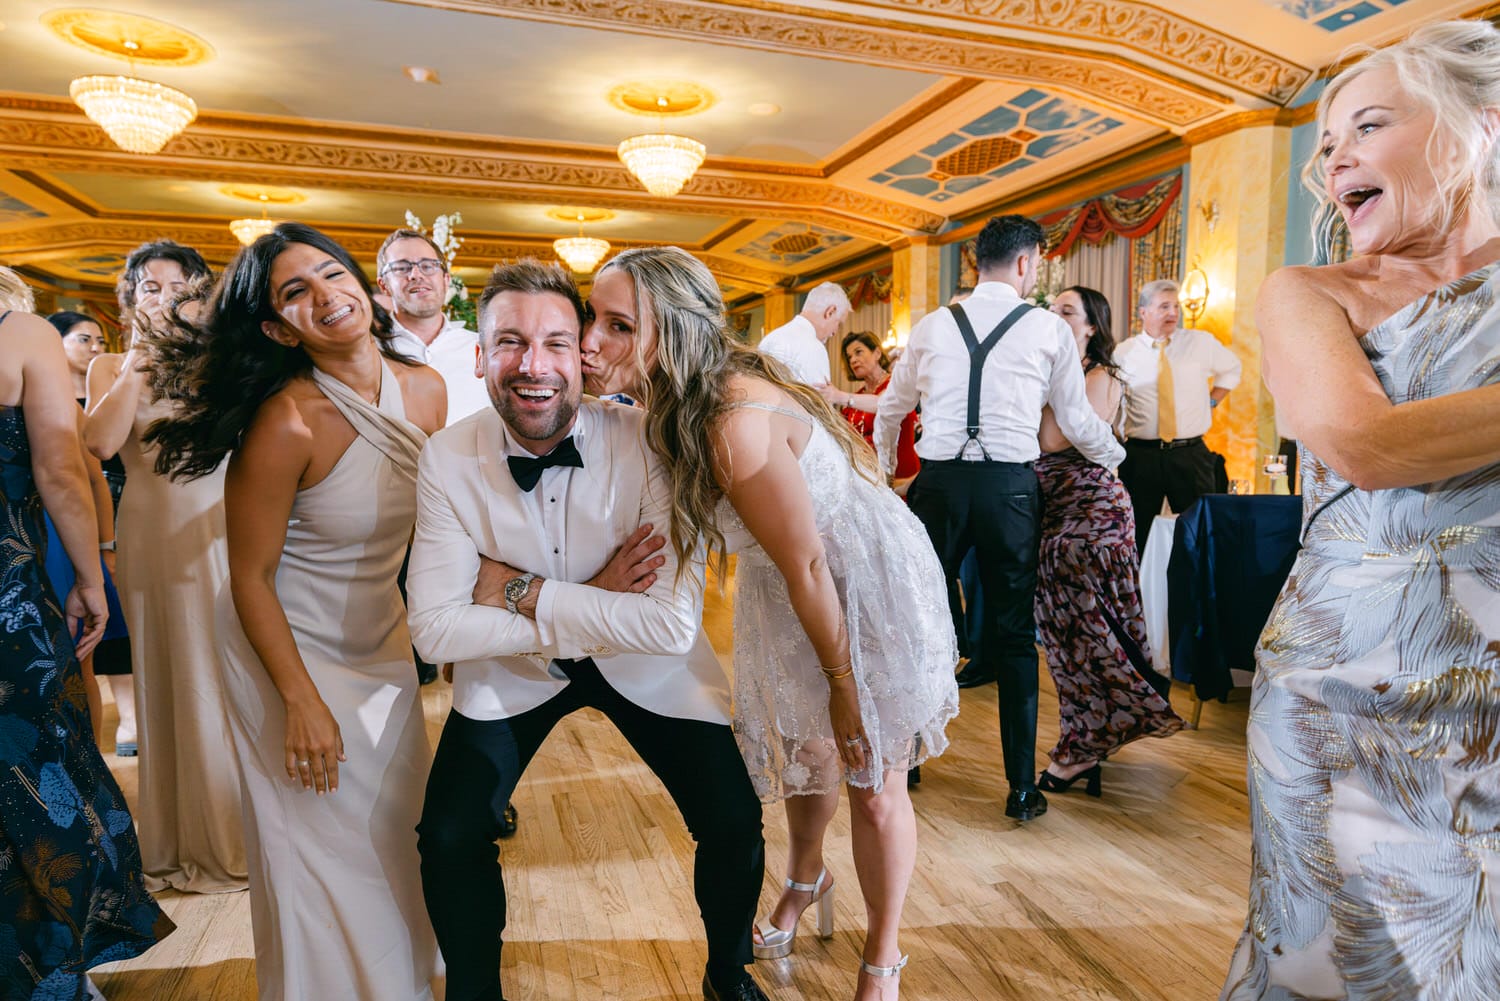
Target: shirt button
(552, 499)
(554, 552)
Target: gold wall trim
(1121, 83)
(38, 244)
(1242, 120)
(1140, 27)
(59, 143)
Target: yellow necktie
(1166, 396)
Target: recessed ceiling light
(179, 188)
(763, 108)
(421, 74)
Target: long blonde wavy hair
(685, 389)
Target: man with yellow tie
(1173, 380)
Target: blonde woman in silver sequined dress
(1374, 737)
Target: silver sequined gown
(1374, 736)
(901, 640)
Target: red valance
(1130, 212)
(869, 288)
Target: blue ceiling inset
(1028, 128)
(1334, 15)
(15, 210)
(792, 243)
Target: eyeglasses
(428, 266)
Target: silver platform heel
(776, 943)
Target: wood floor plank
(1136, 896)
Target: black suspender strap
(978, 352)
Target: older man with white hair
(1173, 379)
(802, 344)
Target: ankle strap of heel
(813, 887)
(884, 971)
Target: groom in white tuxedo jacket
(529, 573)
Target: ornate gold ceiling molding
(1243, 120)
(53, 140)
(39, 244)
(1140, 27)
(1136, 89)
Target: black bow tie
(527, 470)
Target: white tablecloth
(1154, 589)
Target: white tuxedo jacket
(650, 647)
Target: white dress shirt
(1035, 364)
(1199, 363)
(452, 355)
(650, 647)
(796, 346)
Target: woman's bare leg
(885, 853)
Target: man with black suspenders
(982, 400)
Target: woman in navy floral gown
(1088, 605)
(71, 891)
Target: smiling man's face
(529, 361)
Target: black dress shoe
(972, 676)
(914, 776)
(426, 673)
(508, 821)
(746, 990)
(1025, 804)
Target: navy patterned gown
(71, 891)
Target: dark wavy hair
(222, 368)
(1099, 352)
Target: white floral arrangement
(448, 241)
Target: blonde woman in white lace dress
(844, 647)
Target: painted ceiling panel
(1026, 129)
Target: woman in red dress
(866, 362)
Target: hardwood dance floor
(1138, 895)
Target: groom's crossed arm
(446, 625)
(635, 604)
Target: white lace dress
(900, 637)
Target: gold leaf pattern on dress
(1374, 758)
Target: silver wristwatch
(516, 589)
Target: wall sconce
(1194, 293)
(1210, 213)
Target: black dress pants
(1180, 474)
(995, 508)
(477, 766)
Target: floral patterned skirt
(1088, 613)
(71, 891)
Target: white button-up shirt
(1199, 364)
(796, 346)
(452, 355)
(1035, 365)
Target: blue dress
(71, 891)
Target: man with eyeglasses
(414, 273)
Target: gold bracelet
(841, 671)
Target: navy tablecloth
(1231, 554)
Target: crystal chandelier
(662, 162)
(247, 231)
(140, 116)
(581, 253)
